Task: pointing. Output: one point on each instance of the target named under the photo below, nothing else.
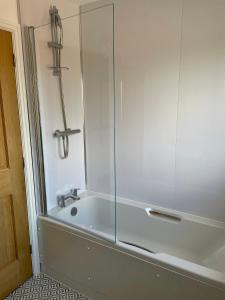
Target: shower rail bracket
(55, 45)
(68, 132)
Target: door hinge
(23, 162)
(30, 249)
(14, 60)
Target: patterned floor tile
(43, 287)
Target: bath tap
(61, 199)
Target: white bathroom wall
(170, 137)
(98, 79)
(8, 10)
(200, 151)
(147, 47)
(61, 175)
(170, 129)
(35, 13)
(169, 103)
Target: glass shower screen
(170, 147)
(80, 189)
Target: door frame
(25, 138)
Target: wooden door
(15, 258)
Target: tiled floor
(43, 287)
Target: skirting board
(104, 272)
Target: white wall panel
(97, 53)
(147, 72)
(200, 156)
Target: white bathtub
(184, 241)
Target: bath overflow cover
(73, 211)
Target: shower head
(53, 11)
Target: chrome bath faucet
(61, 199)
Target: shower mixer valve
(59, 133)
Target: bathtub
(184, 244)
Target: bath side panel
(101, 271)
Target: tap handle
(74, 191)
